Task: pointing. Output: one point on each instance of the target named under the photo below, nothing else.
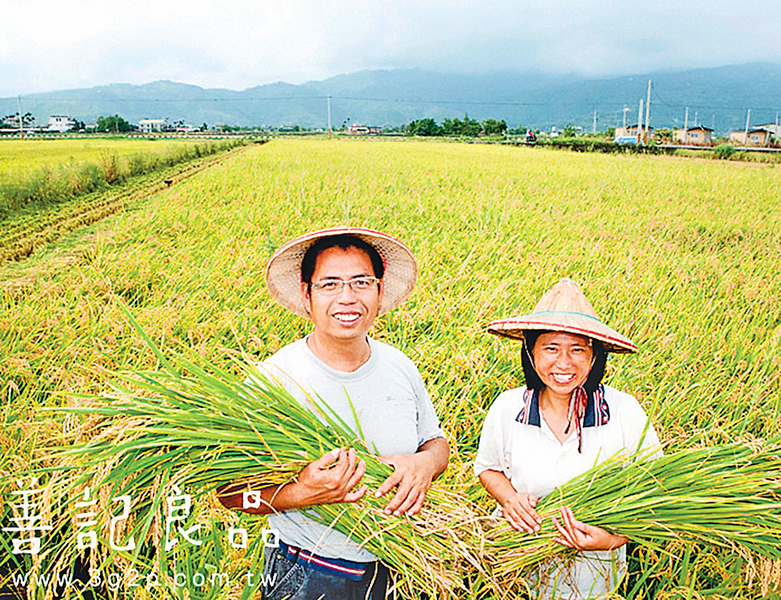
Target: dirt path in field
(21, 239)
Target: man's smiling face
(348, 314)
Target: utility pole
(329, 116)
(594, 127)
(626, 108)
(648, 113)
(686, 128)
(21, 119)
(640, 123)
(748, 118)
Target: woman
(561, 424)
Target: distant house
(61, 123)
(567, 131)
(152, 125)
(775, 132)
(694, 136)
(631, 131)
(356, 129)
(758, 136)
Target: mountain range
(716, 97)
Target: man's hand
(580, 536)
(413, 474)
(328, 480)
(331, 479)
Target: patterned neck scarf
(577, 404)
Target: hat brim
(568, 322)
(283, 272)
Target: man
(342, 279)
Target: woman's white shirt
(516, 441)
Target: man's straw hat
(564, 308)
(283, 272)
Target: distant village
(766, 135)
(698, 135)
(66, 124)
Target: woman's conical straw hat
(283, 272)
(564, 308)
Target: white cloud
(49, 45)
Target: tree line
(458, 127)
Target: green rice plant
(188, 427)
(680, 255)
(724, 151)
(86, 178)
(725, 496)
(112, 173)
(51, 183)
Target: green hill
(717, 97)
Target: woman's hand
(517, 507)
(519, 511)
(580, 536)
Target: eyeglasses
(331, 287)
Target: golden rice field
(680, 255)
(20, 156)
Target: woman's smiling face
(562, 360)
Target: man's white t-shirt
(395, 414)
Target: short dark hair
(533, 380)
(344, 242)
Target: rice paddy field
(680, 255)
(43, 193)
(35, 174)
(23, 156)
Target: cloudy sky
(237, 44)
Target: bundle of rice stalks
(186, 428)
(724, 496)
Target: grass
(680, 255)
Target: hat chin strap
(577, 404)
(306, 300)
